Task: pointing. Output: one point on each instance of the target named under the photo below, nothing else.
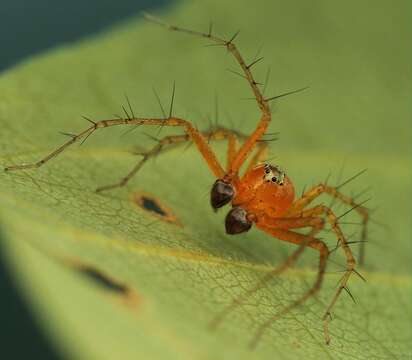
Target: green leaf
(107, 279)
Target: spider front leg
(249, 145)
(191, 132)
(320, 189)
(169, 141)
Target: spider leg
(303, 240)
(350, 260)
(350, 263)
(170, 141)
(282, 234)
(262, 103)
(192, 132)
(318, 190)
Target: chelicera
(263, 196)
(264, 191)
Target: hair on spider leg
(130, 106)
(350, 179)
(170, 108)
(339, 177)
(244, 77)
(280, 95)
(232, 38)
(351, 209)
(353, 270)
(73, 136)
(303, 190)
(362, 192)
(258, 51)
(359, 275)
(151, 137)
(236, 73)
(276, 133)
(89, 120)
(327, 178)
(229, 117)
(267, 140)
(266, 82)
(274, 137)
(172, 99)
(356, 272)
(287, 93)
(254, 62)
(346, 288)
(350, 223)
(159, 102)
(126, 113)
(209, 33)
(338, 244)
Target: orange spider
(264, 195)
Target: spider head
(237, 221)
(264, 190)
(222, 193)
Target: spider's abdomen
(265, 189)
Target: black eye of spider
(222, 193)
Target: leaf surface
(110, 280)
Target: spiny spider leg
(318, 210)
(236, 160)
(282, 233)
(350, 261)
(320, 189)
(263, 104)
(170, 140)
(195, 135)
(323, 256)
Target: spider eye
(237, 222)
(221, 194)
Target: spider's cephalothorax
(263, 192)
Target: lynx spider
(264, 195)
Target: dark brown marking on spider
(154, 207)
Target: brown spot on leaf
(152, 205)
(119, 291)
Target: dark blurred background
(29, 27)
